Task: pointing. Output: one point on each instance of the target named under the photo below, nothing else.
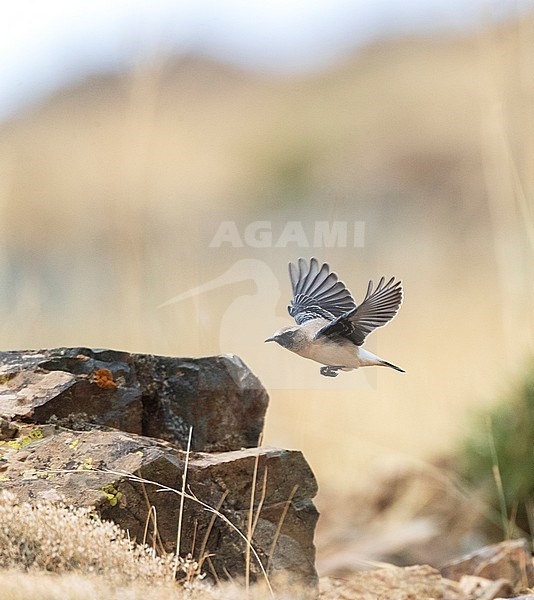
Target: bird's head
(289, 337)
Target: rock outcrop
(419, 582)
(108, 429)
(510, 560)
(149, 395)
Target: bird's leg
(329, 371)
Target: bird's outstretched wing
(377, 309)
(317, 292)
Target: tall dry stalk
(251, 516)
(498, 482)
(508, 155)
(182, 500)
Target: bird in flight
(331, 328)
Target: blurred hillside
(112, 190)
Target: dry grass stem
(202, 552)
(280, 525)
(498, 482)
(260, 503)
(250, 516)
(151, 514)
(182, 500)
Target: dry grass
(77, 586)
(58, 538)
(55, 551)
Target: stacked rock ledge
(75, 422)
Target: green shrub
(504, 439)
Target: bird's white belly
(333, 354)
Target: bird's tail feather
(388, 364)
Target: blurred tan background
(113, 188)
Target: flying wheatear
(331, 328)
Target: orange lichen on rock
(104, 379)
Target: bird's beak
(271, 339)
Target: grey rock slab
(156, 396)
(91, 468)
